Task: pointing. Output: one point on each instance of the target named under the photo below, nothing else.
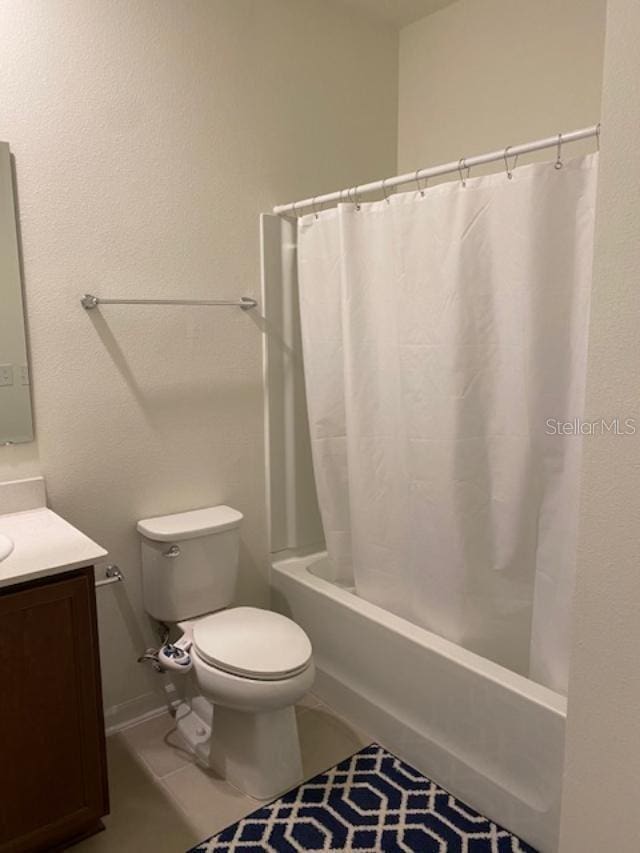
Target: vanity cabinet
(53, 776)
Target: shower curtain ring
(356, 198)
(598, 135)
(559, 163)
(462, 164)
(384, 190)
(421, 190)
(314, 207)
(506, 163)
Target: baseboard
(145, 707)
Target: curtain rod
(353, 194)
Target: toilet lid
(252, 643)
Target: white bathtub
(489, 736)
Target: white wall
(602, 773)
(482, 74)
(148, 136)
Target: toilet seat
(252, 643)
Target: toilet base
(258, 753)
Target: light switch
(23, 373)
(6, 374)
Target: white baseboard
(145, 707)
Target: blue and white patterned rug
(370, 802)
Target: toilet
(248, 666)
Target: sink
(36, 543)
(6, 546)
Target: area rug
(370, 802)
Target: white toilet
(250, 666)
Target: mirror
(16, 423)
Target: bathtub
(489, 736)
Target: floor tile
(325, 739)
(309, 700)
(143, 817)
(159, 744)
(162, 801)
(209, 803)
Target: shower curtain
(444, 339)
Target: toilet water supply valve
(172, 657)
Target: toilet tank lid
(190, 525)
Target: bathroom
(145, 148)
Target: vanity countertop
(44, 544)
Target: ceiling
(399, 13)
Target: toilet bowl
(245, 729)
(249, 666)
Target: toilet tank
(189, 562)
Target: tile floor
(161, 801)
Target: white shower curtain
(440, 334)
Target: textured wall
(482, 74)
(148, 136)
(602, 773)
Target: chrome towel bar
(90, 301)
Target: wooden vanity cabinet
(53, 775)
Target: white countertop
(44, 544)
